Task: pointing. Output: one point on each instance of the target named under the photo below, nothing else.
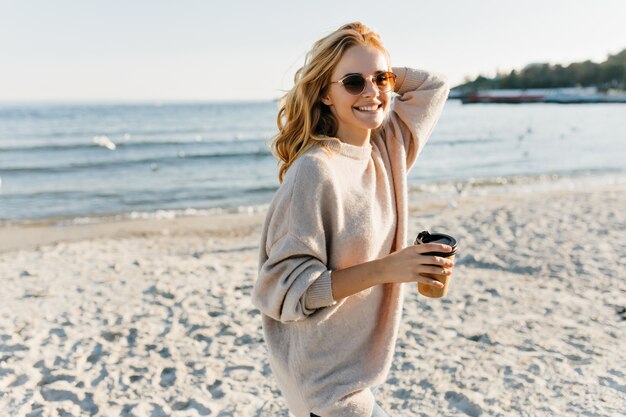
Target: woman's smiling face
(358, 114)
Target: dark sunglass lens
(385, 81)
(354, 84)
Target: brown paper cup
(426, 237)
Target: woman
(334, 249)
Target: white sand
(154, 318)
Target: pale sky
(249, 50)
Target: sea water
(78, 161)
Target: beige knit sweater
(332, 213)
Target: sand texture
(156, 320)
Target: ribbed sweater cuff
(412, 80)
(320, 293)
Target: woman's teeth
(368, 108)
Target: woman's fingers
(430, 269)
(436, 260)
(429, 281)
(432, 247)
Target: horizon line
(4, 102)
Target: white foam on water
(163, 214)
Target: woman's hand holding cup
(412, 265)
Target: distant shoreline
(575, 95)
(35, 232)
(435, 193)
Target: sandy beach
(153, 317)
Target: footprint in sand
(103, 374)
(201, 409)
(610, 382)
(462, 403)
(19, 380)
(239, 372)
(87, 404)
(216, 390)
(97, 352)
(168, 377)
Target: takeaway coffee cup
(426, 237)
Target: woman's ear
(326, 100)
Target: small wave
(454, 142)
(519, 183)
(260, 153)
(169, 214)
(156, 214)
(124, 145)
(255, 190)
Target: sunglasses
(355, 83)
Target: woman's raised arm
(415, 112)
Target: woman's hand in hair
(408, 264)
(400, 76)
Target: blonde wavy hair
(303, 120)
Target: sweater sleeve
(293, 278)
(415, 112)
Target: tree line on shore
(610, 74)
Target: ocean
(173, 159)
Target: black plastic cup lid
(427, 237)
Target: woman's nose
(370, 89)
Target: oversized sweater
(332, 212)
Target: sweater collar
(346, 149)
